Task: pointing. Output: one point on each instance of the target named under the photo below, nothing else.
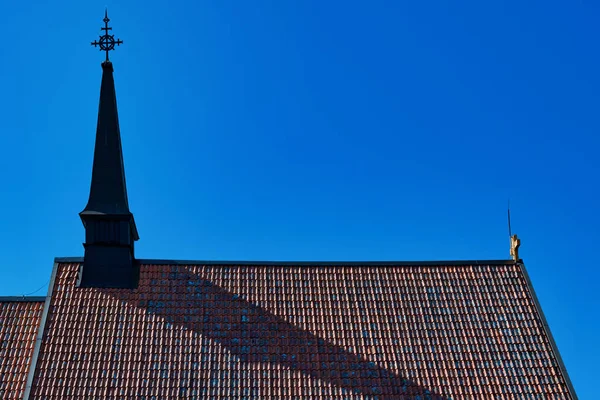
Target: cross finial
(107, 42)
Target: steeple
(110, 230)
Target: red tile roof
(285, 331)
(19, 322)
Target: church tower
(110, 230)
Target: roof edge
(22, 299)
(546, 327)
(40, 334)
(304, 263)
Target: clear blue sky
(312, 130)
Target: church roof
(217, 330)
(19, 323)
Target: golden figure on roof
(515, 243)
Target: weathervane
(107, 42)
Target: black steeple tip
(109, 224)
(108, 191)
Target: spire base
(110, 267)
(109, 260)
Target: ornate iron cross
(107, 42)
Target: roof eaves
(40, 334)
(538, 306)
(305, 263)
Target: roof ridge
(305, 263)
(33, 299)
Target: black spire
(109, 225)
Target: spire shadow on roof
(258, 324)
